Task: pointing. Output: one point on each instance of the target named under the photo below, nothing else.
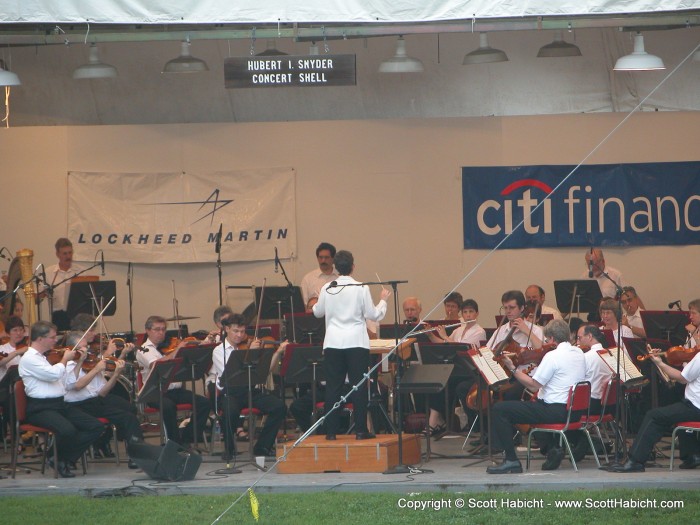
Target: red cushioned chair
(606, 417)
(686, 426)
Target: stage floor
(451, 473)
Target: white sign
(176, 217)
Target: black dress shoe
(364, 435)
(330, 437)
(554, 457)
(691, 462)
(63, 469)
(132, 464)
(629, 466)
(507, 467)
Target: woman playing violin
(90, 391)
(16, 345)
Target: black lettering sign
(290, 70)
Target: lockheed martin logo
(212, 204)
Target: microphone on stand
(5, 256)
(128, 274)
(333, 284)
(43, 274)
(277, 261)
(102, 262)
(676, 304)
(217, 247)
(590, 265)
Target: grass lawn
(339, 508)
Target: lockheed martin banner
(602, 205)
(175, 217)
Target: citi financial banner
(602, 205)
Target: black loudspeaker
(170, 463)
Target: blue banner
(601, 205)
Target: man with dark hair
(313, 281)
(270, 405)
(55, 274)
(45, 387)
(632, 306)
(559, 370)
(523, 332)
(148, 354)
(346, 308)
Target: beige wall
(387, 190)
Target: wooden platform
(346, 454)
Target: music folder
(488, 367)
(629, 373)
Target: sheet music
(381, 345)
(489, 368)
(629, 373)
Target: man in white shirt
(632, 317)
(595, 266)
(535, 294)
(659, 421)
(146, 356)
(346, 308)
(45, 387)
(270, 405)
(313, 281)
(56, 274)
(559, 370)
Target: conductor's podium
(346, 454)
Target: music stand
(196, 361)
(306, 327)
(245, 368)
(155, 386)
(304, 366)
(580, 295)
(668, 325)
(80, 298)
(424, 379)
(278, 300)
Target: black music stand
(581, 295)
(80, 298)
(306, 328)
(278, 300)
(155, 386)
(196, 361)
(445, 354)
(668, 325)
(424, 379)
(245, 368)
(304, 366)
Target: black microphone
(277, 261)
(102, 262)
(333, 284)
(590, 265)
(43, 274)
(4, 256)
(217, 248)
(675, 303)
(128, 274)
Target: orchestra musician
(235, 334)
(595, 267)
(148, 354)
(346, 308)
(89, 391)
(559, 370)
(55, 274)
(412, 309)
(10, 354)
(45, 387)
(631, 316)
(452, 304)
(610, 316)
(535, 294)
(694, 326)
(313, 281)
(660, 420)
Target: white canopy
(320, 11)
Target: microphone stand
(218, 264)
(230, 428)
(619, 436)
(290, 288)
(129, 278)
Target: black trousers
(337, 363)
(268, 404)
(507, 413)
(181, 396)
(117, 411)
(74, 429)
(660, 420)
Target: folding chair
(686, 426)
(578, 402)
(606, 417)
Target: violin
(55, 355)
(175, 343)
(110, 363)
(675, 356)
